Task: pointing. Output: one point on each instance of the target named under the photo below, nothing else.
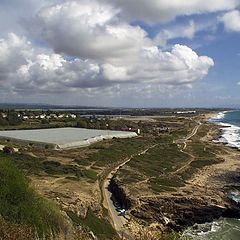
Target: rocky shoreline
(177, 211)
(202, 200)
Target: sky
(120, 53)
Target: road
(194, 131)
(192, 158)
(190, 135)
(119, 222)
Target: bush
(82, 124)
(3, 122)
(20, 204)
(13, 119)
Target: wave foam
(230, 135)
(202, 231)
(219, 116)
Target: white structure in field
(62, 138)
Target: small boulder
(8, 150)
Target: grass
(20, 204)
(90, 174)
(100, 227)
(37, 125)
(118, 150)
(157, 164)
(32, 165)
(161, 163)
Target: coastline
(223, 176)
(229, 133)
(203, 201)
(207, 198)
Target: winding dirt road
(119, 222)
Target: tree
(13, 119)
(81, 123)
(3, 122)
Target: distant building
(136, 130)
(4, 115)
(185, 112)
(61, 116)
(72, 116)
(42, 116)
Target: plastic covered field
(62, 138)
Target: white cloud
(231, 21)
(14, 51)
(94, 49)
(154, 11)
(26, 70)
(88, 29)
(238, 83)
(179, 31)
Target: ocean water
(225, 228)
(231, 127)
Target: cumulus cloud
(231, 21)
(179, 31)
(14, 51)
(93, 48)
(24, 69)
(88, 29)
(154, 11)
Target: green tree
(13, 119)
(81, 123)
(3, 122)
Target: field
(168, 165)
(72, 178)
(61, 138)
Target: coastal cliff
(119, 194)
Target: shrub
(20, 204)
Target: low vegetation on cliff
(20, 204)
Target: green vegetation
(100, 227)
(11, 119)
(33, 165)
(204, 155)
(90, 174)
(167, 166)
(157, 164)
(118, 150)
(20, 204)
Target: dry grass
(9, 231)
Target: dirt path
(194, 131)
(192, 158)
(119, 222)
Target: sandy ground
(2, 146)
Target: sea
(224, 228)
(230, 120)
